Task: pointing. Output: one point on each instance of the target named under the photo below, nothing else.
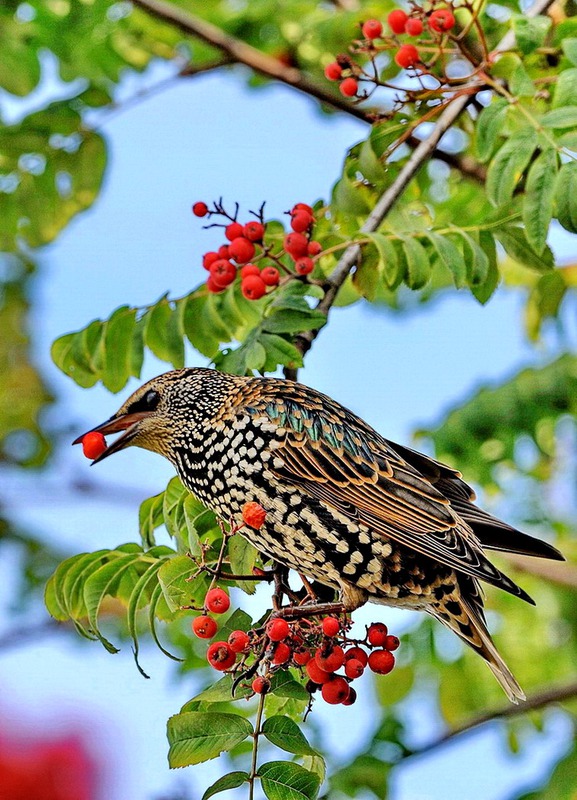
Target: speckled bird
(346, 507)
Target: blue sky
(199, 140)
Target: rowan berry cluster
(255, 259)
(431, 25)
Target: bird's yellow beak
(122, 422)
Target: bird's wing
(338, 459)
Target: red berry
(233, 231)
(381, 661)
(223, 251)
(253, 514)
(209, 258)
(314, 248)
(200, 209)
(351, 698)
(353, 668)
(260, 685)
(238, 641)
(397, 20)
(356, 654)
(441, 20)
(330, 660)
(241, 250)
(213, 287)
(372, 29)
(93, 444)
(377, 634)
(392, 643)
(335, 691)
(333, 71)
(249, 269)
(331, 626)
(301, 221)
(220, 656)
(222, 272)
(271, 276)
(302, 207)
(253, 287)
(278, 629)
(217, 601)
(302, 657)
(296, 244)
(315, 673)
(204, 627)
(349, 87)
(253, 231)
(304, 265)
(282, 653)
(407, 56)
(414, 27)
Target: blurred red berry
(351, 698)
(238, 641)
(200, 209)
(302, 657)
(296, 244)
(407, 56)
(241, 250)
(277, 630)
(304, 265)
(301, 221)
(220, 656)
(93, 444)
(372, 29)
(335, 691)
(302, 207)
(330, 660)
(381, 662)
(249, 269)
(377, 634)
(331, 626)
(217, 601)
(253, 287)
(209, 258)
(391, 643)
(204, 626)
(282, 653)
(213, 287)
(349, 87)
(353, 668)
(223, 251)
(414, 27)
(441, 20)
(358, 654)
(314, 248)
(254, 231)
(260, 685)
(315, 673)
(233, 231)
(333, 71)
(397, 20)
(271, 276)
(222, 272)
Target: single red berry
(223, 251)
(302, 207)
(302, 656)
(392, 643)
(200, 209)
(271, 276)
(314, 248)
(441, 20)
(331, 626)
(349, 87)
(217, 601)
(260, 685)
(241, 250)
(253, 287)
(372, 29)
(213, 287)
(304, 265)
(249, 269)
(209, 258)
(253, 514)
(315, 673)
(93, 444)
(356, 654)
(353, 668)
(278, 629)
(333, 71)
(335, 691)
(204, 626)
(282, 653)
(253, 231)
(222, 272)
(301, 221)
(330, 660)
(397, 20)
(296, 244)
(220, 656)
(381, 661)
(233, 231)
(407, 56)
(414, 26)
(377, 634)
(238, 641)
(351, 698)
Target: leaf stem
(255, 736)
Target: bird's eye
(151, 399)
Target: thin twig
(256, 734)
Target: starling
(346, 507)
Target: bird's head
(158, 415)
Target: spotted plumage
(373, 519)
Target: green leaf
(242, 556)
(538, 200)
(517, 246)
(569, 46)
(255, 355)
(283, 684)
(286, 734)
(349, 198)
(418, 265)
(279, 351)
(118, 334)
(287, 321)
(139, 598)
(477, 263)
(198, 736)
(484, 291)
(221, 691)
(451, 257)
(560, 118)
(520, 83)
(388, 260)
(163, 332)
(150, 518)
(566, 196)
(507, 167)
(282, 780)
(489, 127)
(177, 590)
(530, 32)
(231, 780)
(565, 92)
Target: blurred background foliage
(515, 441)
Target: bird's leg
(310, 610)
(281, 587)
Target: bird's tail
(469, 624)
